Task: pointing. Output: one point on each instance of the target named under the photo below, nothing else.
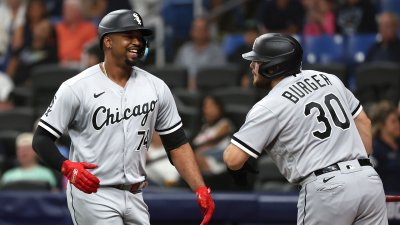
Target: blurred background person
(159, 169)
(6, 88)
(28, 168)
(42, 51)
(281, 16)
(387, 49)
(250, 33)
(73, 33)
(35, 43)
(320, 18)
(355, 17)
(92, 55)
(12, 16)
(386, 142)
(213, 137)
(199, 52)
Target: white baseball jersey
(110, 125)
(305, 123)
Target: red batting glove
(78, 175)
(206, 203)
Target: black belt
(134, 188)
(335, 167)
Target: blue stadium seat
(177, 16)
(358, 45)
(231, 42)
(323, 49)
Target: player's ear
(107, 42)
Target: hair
(379, 113)
(24, 139)
(42, 3)
(217, 101)
(94, 49)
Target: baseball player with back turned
(110, 111)
(317, 134)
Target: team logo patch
(137, 18)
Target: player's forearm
(44, 146)
(234, 157)
(363, 124)
(184, 161)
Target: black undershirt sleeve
(44, 146)
(173, 140)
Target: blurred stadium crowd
(197, 50)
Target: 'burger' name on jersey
(305, 87)
(111, 117)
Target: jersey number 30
(321, 118)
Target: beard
(131, 62)
(261, 82)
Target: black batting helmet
(280, 52)
(120, 21)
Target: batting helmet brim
(253, 56)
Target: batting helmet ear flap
(144, 51)
(263, 69)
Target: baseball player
(317, 134)
(110, 111)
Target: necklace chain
(105, 71)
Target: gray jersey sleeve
(257, 131)
(60, 112)
(353, 103)
(168, 119)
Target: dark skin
(121, 52)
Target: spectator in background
(159, 169)
(213, 137)
(73, 33)
(199, 52)
(29, 168)
(386, 137)
(228, 21)
(92, 55)
(94, 10)
(388, 48)
(356, 16)
(250, 34)
(320, 18)
(6, 87)
(35, 13)
(281, 16)
(12, 16)
(37, 44)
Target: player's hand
(78, 176)
(206, 204)
(240, 176)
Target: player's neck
(274, 82)
(119, 75)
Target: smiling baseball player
(110, 111)
(315, 131)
